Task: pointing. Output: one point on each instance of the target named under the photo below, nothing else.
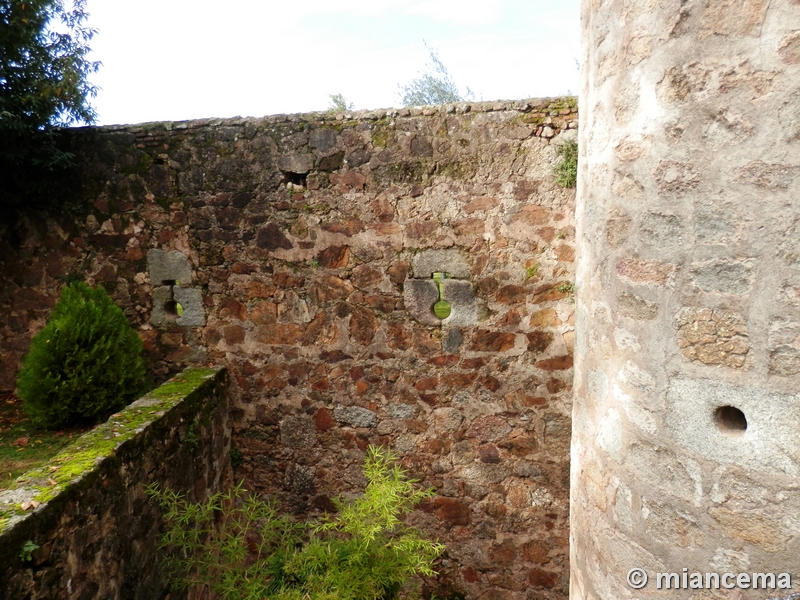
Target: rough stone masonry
(298, 251)
(685, 448)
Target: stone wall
(87, 511)
(685, 447)
(300, 250)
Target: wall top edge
(523, 106)
(35, 489)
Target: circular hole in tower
(730, 419)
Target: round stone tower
(686, 432)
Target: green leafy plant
(85, 364)
(28, 548)
(44, 86)
(436, 86)
(567, 288)
(566, 169)
(338, 103)
(242, 548)
(531, 272)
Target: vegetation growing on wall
(567, 168)
(85, 364)
(364, 552)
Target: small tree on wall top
(85, 364)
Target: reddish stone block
(320, 385)
(481, 203)
(365, 275)
(263, 313)
(279, 334)
(363, 325)
(492, 341)
(325, 288)
(470, 575)
(489, 454)
(334, 257)
(322, 331)
(555, 385)
(333, 356)
(469, 226)
(426, 384)
(323, 419)
(503, 554)
(559, 363)
(350, 227)
(381, 302)
(459, 380)
(232, 309)
(233, 334)
(451, 510)
(645, 271)
(539, 341)
(474, 363)
(535, 552)
(350, 180)
(509, 294)
(287, 280)
(490, 383)
(445, 360)
(270, 237)
(541, 578)
(398, 272)
(421, 229)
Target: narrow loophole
(730, 419)
(171, 308)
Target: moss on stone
(79, 458)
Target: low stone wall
(87, 510)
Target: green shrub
(85, 364)
(567, 168)
(243, 549)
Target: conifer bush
(86, 364)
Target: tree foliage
(435, 86)
(44, 65)
(338, 103)
(85, 364)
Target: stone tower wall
(688, 295)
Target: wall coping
(80, 463)
(552, 104)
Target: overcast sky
(186, 59)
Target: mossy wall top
(311, 240)
(87, 511)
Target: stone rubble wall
(96, 530)
(688, 296)
(301, 250)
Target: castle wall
(301, 249)
(685, 451)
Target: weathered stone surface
(451, 261)
(355, 416)
(270, 237)
(191, 300)
(99, 537)
(298, 432)
(302, 277)
(168, 267)
(713, 337)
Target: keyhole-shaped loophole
(441, 308)
(172, 307)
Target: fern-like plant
(85, 364)
(566, 169)
(241, 547)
